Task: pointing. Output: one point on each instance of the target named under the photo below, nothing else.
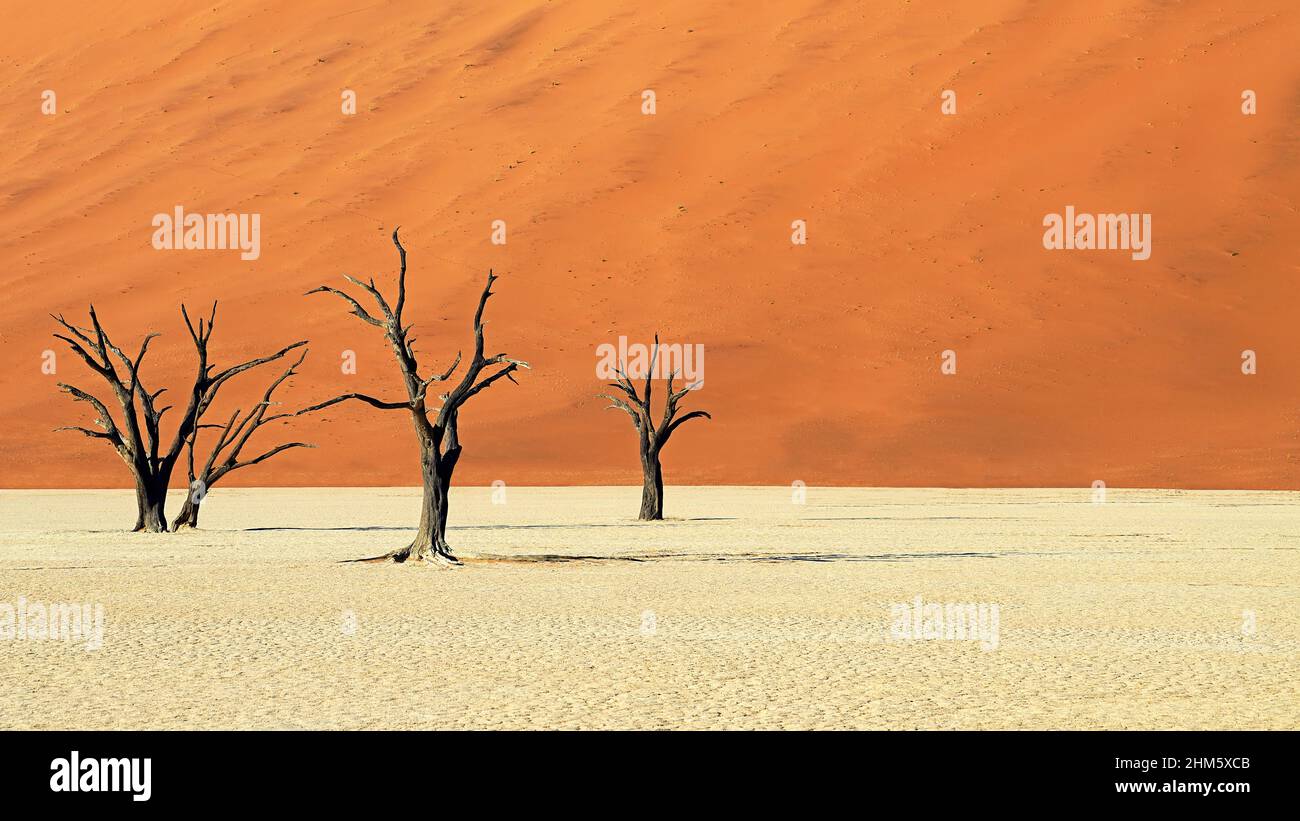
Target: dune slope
(822, 360)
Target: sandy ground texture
(1155, 609)
(924, 229)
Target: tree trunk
(151, 499)
(430, 543)
(444, 483)
(652, 490)
(189, 515)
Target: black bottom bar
(233, 770)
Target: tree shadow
(912, 519)
(453, 528)
(762, 558)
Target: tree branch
(678, 422)
(104, 420)
(619, 404)
(401, 279)
(96, 434)
(273, 451)
(361, 397)
(357, 310)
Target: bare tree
(138, 439)
(652, 439)
(440, 447)
(225, 454)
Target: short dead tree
(229, 447)
(651, 439)
(435, 428)
(138, 438)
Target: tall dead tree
(138, 439)
(440, 447)
(225, 454)
(651, 438)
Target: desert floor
(1154, 609)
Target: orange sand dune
(822, 361)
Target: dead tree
(224, 456)
(138, 440)
(652, 439)
(440, 447)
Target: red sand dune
(822, 360)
